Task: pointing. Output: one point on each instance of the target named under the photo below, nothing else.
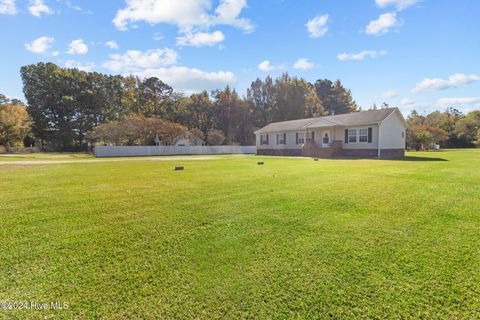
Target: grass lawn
(227, 238)
(44, 156)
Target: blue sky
(420, 54)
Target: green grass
(44, 156)
(227, 238)
(81, 157)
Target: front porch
(321, 142)
(322, 150)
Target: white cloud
(451, 102)
(37, 8)
(405, 102)
(72, 64)
(317, 27)
(157, 36)
(303, 64)
(186, 14)
(77, 47)
(361, 55)
(266, 66)
(399, 4)
(227, 13)
(40, 45)
(112, 44)
(8, 7)
(161, 63)
(136, 61)
(75, 7)
(383, 24)
(190, 80)
(407, 105)
(201, 39)
(455, 80)
(389, 94)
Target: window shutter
(261, 139)
(277, 138)
(296, 138)
(284, 138)
(346, 135)
(267, 138)
(370, 135)
(313, 136)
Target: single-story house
(188, 139)
(374, 133)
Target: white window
(301, 138)
(352, 135)
(264, 139)
(363, 135)
(281, 138)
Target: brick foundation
(360, 153)
(332, 153)
(280, 152)
(392, 153)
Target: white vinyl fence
(137, 151)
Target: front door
(326, 138)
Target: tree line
(449, 129)
(67, 109)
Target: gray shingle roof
(291, 125)
(348, 119)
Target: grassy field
(226, 238)
(44, 156)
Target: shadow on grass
(413, 158)
(406, 158)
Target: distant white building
(188, 139)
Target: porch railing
(319, 149)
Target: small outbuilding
(188, 139)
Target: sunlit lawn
(44, 156)
(294, 238)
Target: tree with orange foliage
(14, 125)
(136, 130)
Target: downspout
(379, 149)
(306, 144)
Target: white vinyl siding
(393, 132)
(339, 134)
(290, 143)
